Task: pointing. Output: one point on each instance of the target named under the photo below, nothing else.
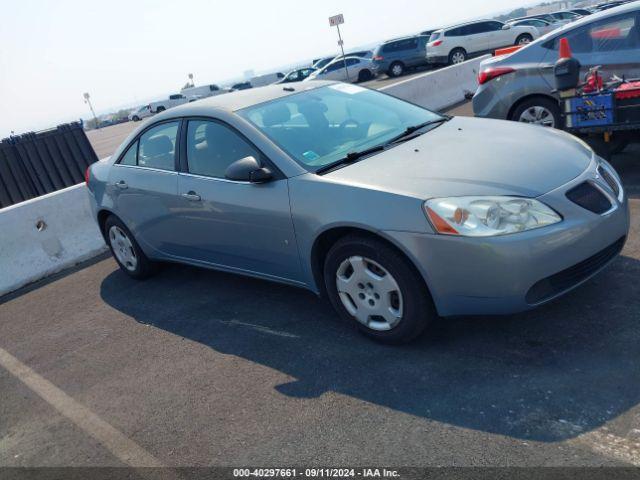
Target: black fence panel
(33, 164)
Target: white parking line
(126, 450)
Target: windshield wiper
(350, 158)
(414, 128)
(353, 156)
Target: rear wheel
(375, 287)
(160, 109)
(524, 39)
(457, 55)
(538, 111)
(396, 69)
(126, 251)
(136, 118)
(364, 76)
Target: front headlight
(487, 216)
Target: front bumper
(511, 273)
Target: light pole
(88, 101)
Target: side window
(610, 35)
(131, 156)
(212, 147)
(352, 61)
(493, 26)
(157, 147)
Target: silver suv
(520, 86)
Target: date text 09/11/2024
(315, 472)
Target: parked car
(357, 70)
(583, 12)
(266, 79)
(565, 15)
(320, 63)
(359, 53)
(395, 57)
(138, 114)
(520, 86)
(240, 86)
(203, 91)
(542, 26)
(162, 105)
(297, 75)
(546, 17)
(427, 33)
(396, 213)
(458, 43)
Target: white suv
(457, 43)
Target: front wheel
(126, 251)
(364, 76)
(376, 287)
(524, 39)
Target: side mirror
(506, 26)
(248, 169)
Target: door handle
(191, 196)
(122, 185)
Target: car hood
(468, 156)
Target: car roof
(240, 99)
(403, 38)
(456, 25)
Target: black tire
(364, 76)
(453, 55)
(530, 104)
(160, 109)
(136, 118)
(396, 69)
(417, 306)
(144, 267)
(524, 39)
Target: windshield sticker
(310, 155)
(346, 88)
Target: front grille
(610, 180)
(564, 280)
(590, 197)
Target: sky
(125, 53)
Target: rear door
(144, 185)
(232, 224)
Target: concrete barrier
(439, 89)
(44, 235)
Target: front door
(236, 225)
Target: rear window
(435, 36)
(609, 35)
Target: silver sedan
(395, 213)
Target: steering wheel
(349, 121)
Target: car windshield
(321, 126)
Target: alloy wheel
(457, 57)
(538, 115)
(123, 248)
(369, 293)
